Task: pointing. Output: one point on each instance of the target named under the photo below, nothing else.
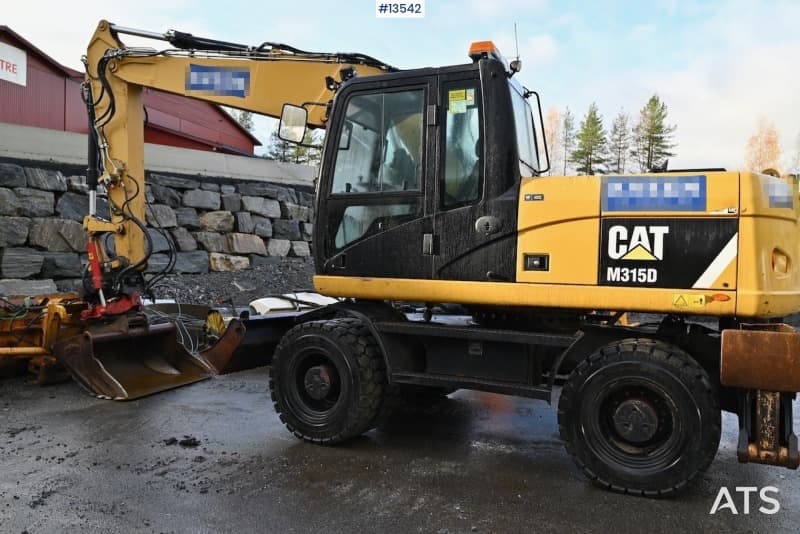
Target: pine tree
(619, 143)
(567, 136)
(592, 144)
(278, 149)
(652, 136)
(245, 119)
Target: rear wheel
(640, 416)
(328, 380)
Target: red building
(35, 90)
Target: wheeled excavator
(460, 265)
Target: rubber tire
(349, 344)
(694, 398)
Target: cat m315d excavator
(461, 265)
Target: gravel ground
(239, 288)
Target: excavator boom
(118, 354)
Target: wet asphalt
(213, 457)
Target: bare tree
(553, 133)
(763, 149)
(567, 136)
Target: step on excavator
(458, 264)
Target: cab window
(380, 146)
(526, 138)
(463, 162)
(379, 163)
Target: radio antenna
(516, 40)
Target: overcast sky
(719, 65)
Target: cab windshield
(526, 137)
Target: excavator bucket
(127, 360)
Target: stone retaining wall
(216, 224)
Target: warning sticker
(470, 97)
(457, 94)
(686, 300)
(458, 106)
(457, 101)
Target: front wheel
(640, 416)
(328, 380)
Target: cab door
(375, 200)
(477, 178)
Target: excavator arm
(261, 79)
(113, 348)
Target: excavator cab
(421, 174)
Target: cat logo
(645, 243)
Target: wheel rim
(315, 389)
(635, 424)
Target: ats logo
(645, 243)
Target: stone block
(20, 262)
(227, 189)
(183, 239)
(287, 194)
(301, 249)
(305, 199)
(258, 189)
(76, 206)
(208, 186)
(244, 222)
(262, 206)
(227, 262)
(157, 263)
(158, 240)
(9, 203)
(283, 229)
(262, 226)
(12, 175)
(68, 285)
(14, 287)
(210, 241)
(35, 203)
(61, 265)
(306, 231)
(173, 181)
(77, 184)
(217, 221)
(45, 179)
(204, 200)
(14, 231)
(161, 216)
(232, 202)
(47, 234)
(246, 244)
(278, 247)
(294, 211)
(191, 262)
(187, 218)
(72, 232)
(165, 195)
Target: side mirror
(292, 127)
